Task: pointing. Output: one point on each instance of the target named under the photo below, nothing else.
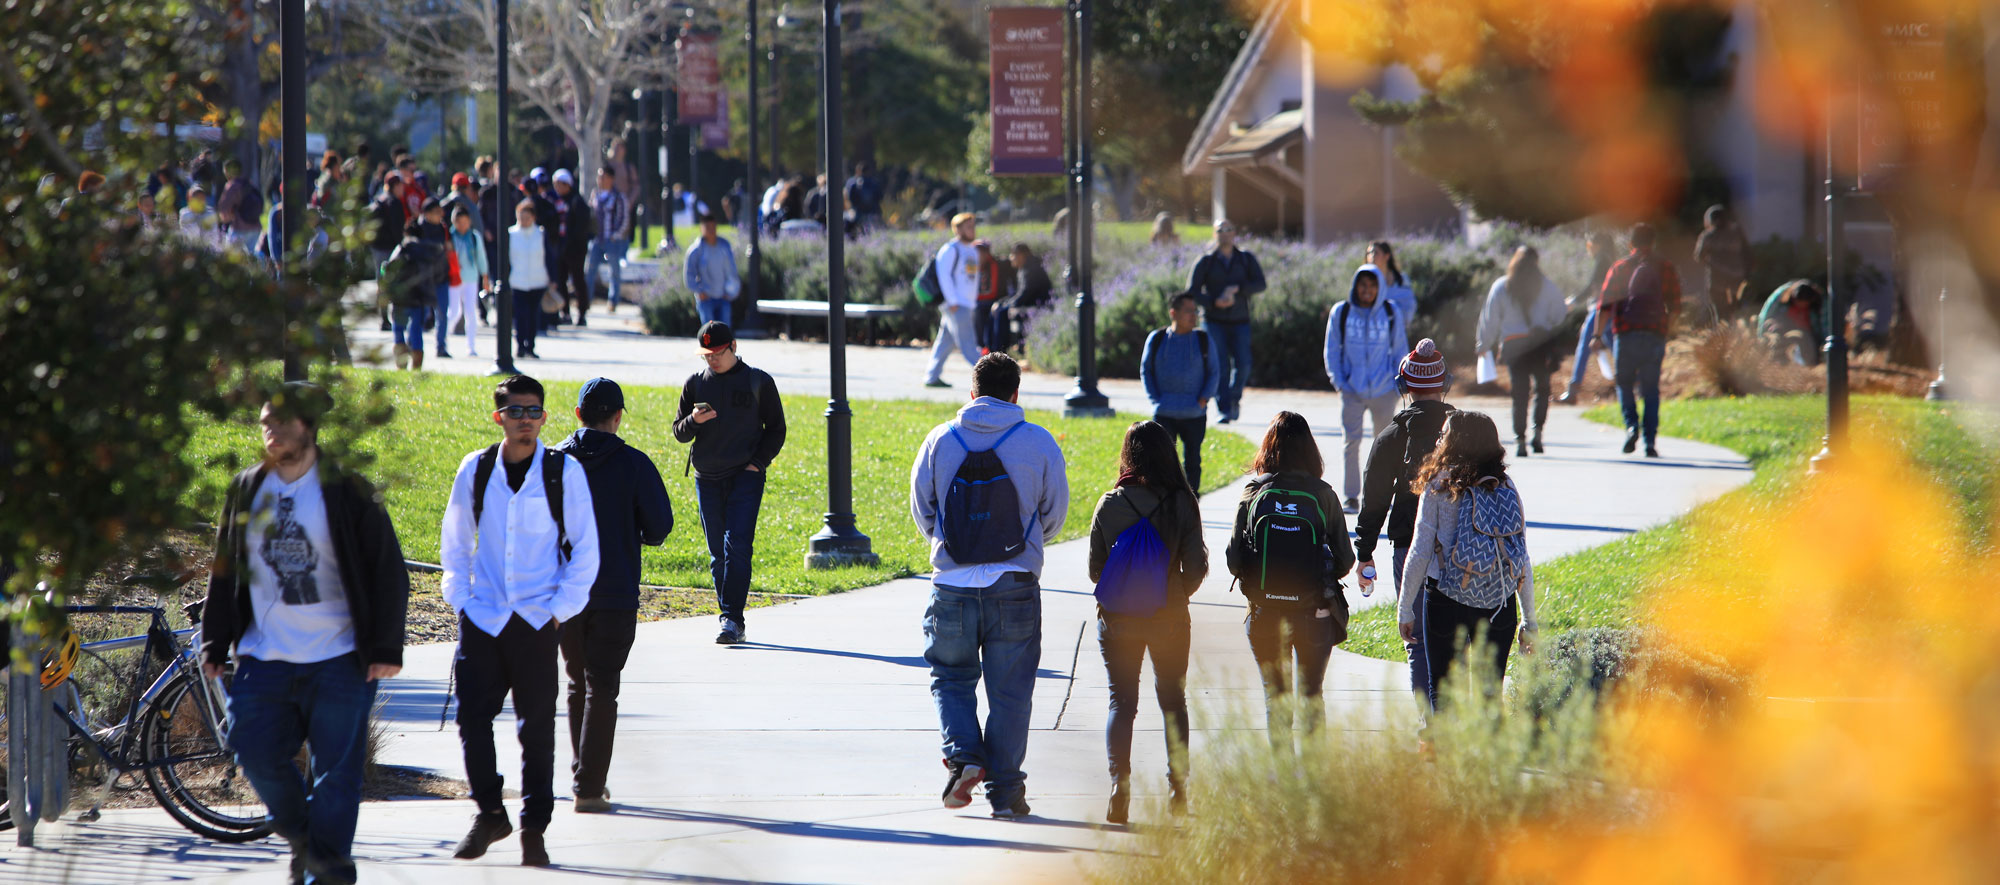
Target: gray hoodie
(1035, 464)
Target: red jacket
(1652, 308)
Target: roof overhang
(1269, 136)
(1214, 125)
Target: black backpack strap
(1202, 340)
(552, 488)
(1340, 323)
(482, 473)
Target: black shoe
(732, 633)
(534, 853)
(1224, 419)
(1631, 440)
(1014, 810)
(939, 383)
(1351, 505)
(1652, 452)
(1119, 811)
(1567, 397)
(388, 326)
(1520, 447)
(582, 321)
(443, 354)
(958, 787)
(486, 830)
(520, 353)
(1536, 443)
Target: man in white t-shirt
(958, 275)
(309, 592)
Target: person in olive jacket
(1223, 280)
(1152, 487)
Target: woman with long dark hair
(1395, 287)
(1294, 599)
(1468, 592)
(1150, 489)
(1518, 326)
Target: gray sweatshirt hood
(989, 415)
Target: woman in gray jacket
(1518, 327)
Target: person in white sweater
(1518, 327)
(527, 276)
(1469, 592)
(958, 275)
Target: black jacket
(748, 427)
(1214, 273)
(387, 212)
(1385, 486)
(364, 547)
(582, 224)
(632, 508)
(1032, 287)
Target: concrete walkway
(810, 754)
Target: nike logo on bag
(1013, 548)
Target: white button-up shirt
(508, 564)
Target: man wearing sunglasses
(520, 555)
(732, 418)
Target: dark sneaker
(443, 354)
(582, 321)
(534, 853)
(937, 383)
(1631, 440)
(1351, 505)
(1224, 419)
(1567, 397)
(1015, 810)
(965, 777)
(1652, 452)
(486, 830)
(732, 633)
(593, 804)
(1119, 810)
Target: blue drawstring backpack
(1134, 581)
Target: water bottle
(1367, 580)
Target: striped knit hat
(1424, 368)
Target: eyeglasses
(516, 413)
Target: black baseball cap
(715, 337)
(601, 393)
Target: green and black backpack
(1287, 546)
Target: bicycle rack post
(22, 692)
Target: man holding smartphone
(731, 414)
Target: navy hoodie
(632, 509)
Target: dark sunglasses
(518, 412)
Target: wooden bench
(792, 310)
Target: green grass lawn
(1599, 587)
(440, 418)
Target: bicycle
(171, 734)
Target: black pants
(527, 317)
(573, 282)
(1125, 640)
(1535, 367)
(982, 326)
(1283, 639)
(1190, 432)
(595, 645)
(1450, 627)
(521, 661)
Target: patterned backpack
(1488, 560)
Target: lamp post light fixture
(839, 543)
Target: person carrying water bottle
(987, 490)
(1147, 557)
(1469, 557)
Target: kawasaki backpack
(981, 519)
(1287, 544)
(1488, 561)
(1136, 571)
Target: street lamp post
(1084, 401)
(503, 203)
(292, 164)
(1939, 392)
(1836, 301)
(750, 174)
(839, 543)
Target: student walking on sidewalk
(1365, 339)
(520, 555)
(1223, 280)
(1181, 371)
(470, 247)
(732, 416)
(1641, 297)
(307, 589)
(710, 273)
(958, 277)
(1517, 326)
(527, 278)
(1146, 557)
(1290, 548)
(1469, 558)
(978, 479)
(1398, 453)
(632, 509)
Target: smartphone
(703, 407)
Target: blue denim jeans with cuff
(996, 633)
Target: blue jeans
(712, 310)
(995, 632)
(274, 707)
(1583, 342)
(729, 520)
(1420, 666)
(601, 250)
(1232, 348)
(410, 326)
(1638, 355)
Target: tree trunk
(1124, 181)
(246, 89)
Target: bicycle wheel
(192, 772)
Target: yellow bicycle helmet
(60, 659)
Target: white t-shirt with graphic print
(299, 606)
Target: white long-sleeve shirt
(958, 274)
(508, 564)
(1437, 529)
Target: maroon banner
(698, 78)
(715, 133)
(1026, 58)
(1901, 113)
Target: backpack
(982, 497)
(1489, 559)
(928, 289)
(552, 488)
(1136, 572)
(411, 274)
(1202, 340)
(1287, 546)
